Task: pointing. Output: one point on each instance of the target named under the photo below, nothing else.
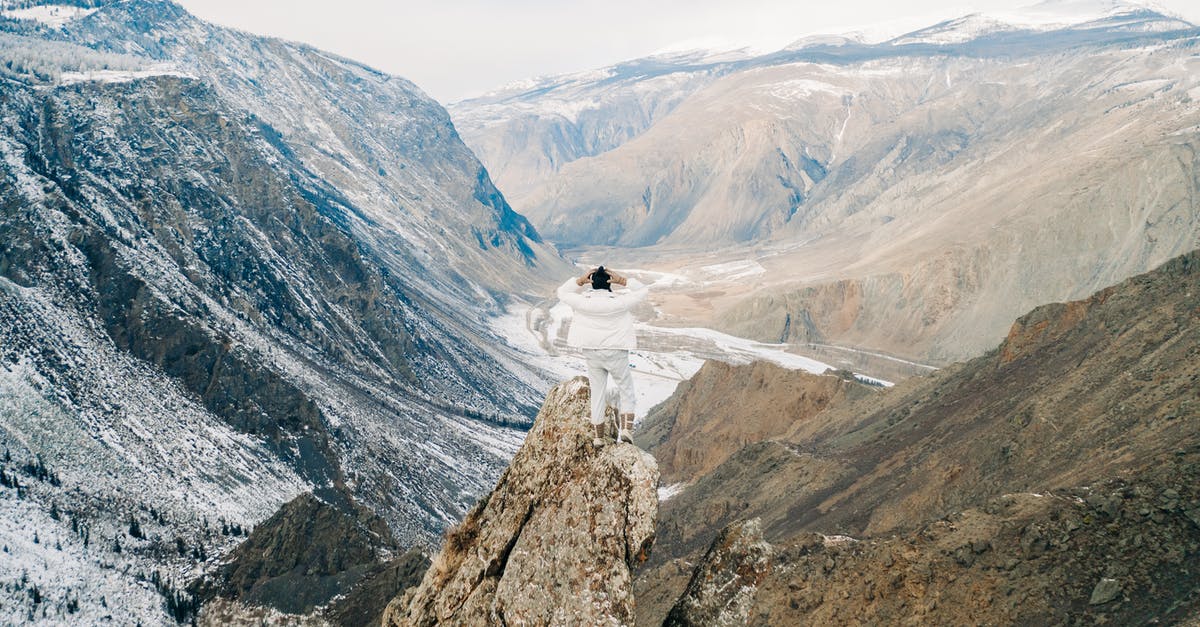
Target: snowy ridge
(116, 459)
(1048, 16)
(119, 426)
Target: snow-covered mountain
(910, 195)
(529, 131)
(234, 269)
(1097, 16)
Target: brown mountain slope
(1078, 393)
(723, 407)
(1112, 553)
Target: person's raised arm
(635, 292)
(568, 292)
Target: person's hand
(587, 278)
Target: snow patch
(735, 269)
(801, 88)
(121, 76)
(28, 183)
(665, 492)
(49, 14)
(712, 344)
(653, 279)
(43, 554)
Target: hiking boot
(600, 437)
(625, 433)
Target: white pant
(601, 364)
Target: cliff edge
(556, 539)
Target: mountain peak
(1050, 15)
(1063, 13)
(813, 41)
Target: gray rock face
(725, 582)
(554, 543)
(279, 240)
(301, 557)
(421, 196)
(232, 278)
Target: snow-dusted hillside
(421, 196)
(234, 269)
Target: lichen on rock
(725, 582)
(556, 539)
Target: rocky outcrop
(726, 581)
(1119, 552)
(1045, 325)
(365, 603)
(300, 558)
(723, 407)
(555, 541)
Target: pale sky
(455, 49)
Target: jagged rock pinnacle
(555, 540)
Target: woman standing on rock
(603, 328)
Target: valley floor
(672, 347)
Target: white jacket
(602, 318)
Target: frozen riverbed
(665, 356)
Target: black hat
(601, 279)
